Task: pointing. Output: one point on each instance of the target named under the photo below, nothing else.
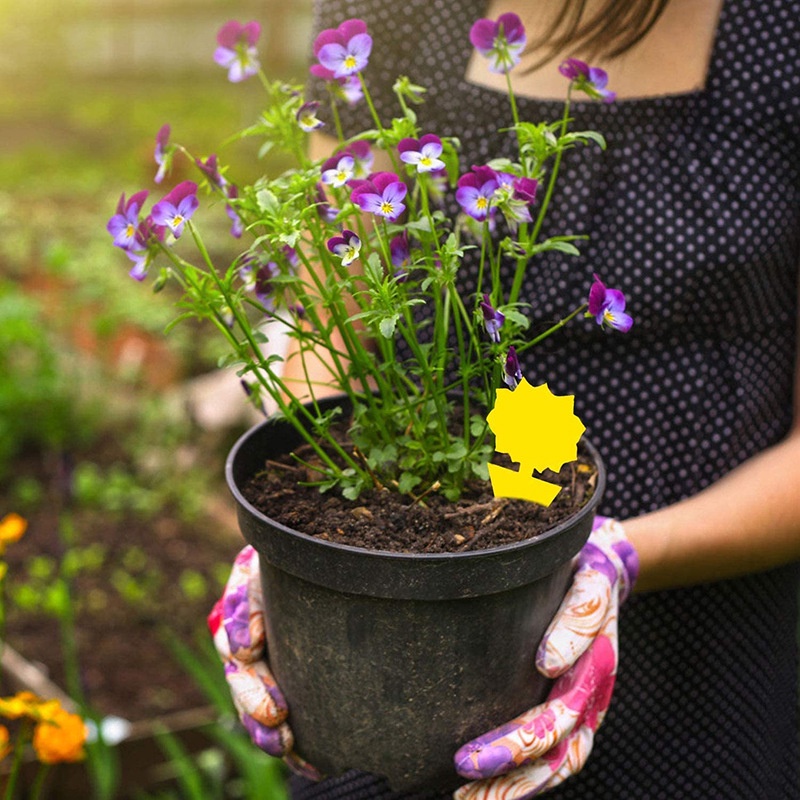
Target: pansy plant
(365, 267)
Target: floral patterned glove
(544, 746)
(237, 625)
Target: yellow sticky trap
(540, 431)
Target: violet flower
(422, 153)
(476, 190)
(337, 171)
(144, 251)
(347, 247)
(591, 80)
(492, 318)
(382, 194)
(512, 373)
(237, 226)
(162, 154)
(176, 208)
(210, 168)
(344, 50)
(237, 49)
(607, 306)
(501, 41)
(400, 253)
(307, 116)
(123, 226)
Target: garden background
(130, 528)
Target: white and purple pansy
(236, 49)
(347, 247)
(501, 41)
(344, 50)
(422, 153)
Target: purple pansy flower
(307, 116)
(492, 318)
(476, 190)
(400, 253)
(210, 168)
(512, 373)
(174, 210)
(162, 153)
(344, 50)
(363, 157)
(143, 252)
(591, 80)
(422, 153)
(257, 274)
(501, 41)
(382, 194)
(123, 226)
(338, 170)
(607, 306)
(326, 211)
(237, 49)
(347, 247)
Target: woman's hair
(613, 29)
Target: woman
(694, 210)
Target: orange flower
(12, 529)
(59, 737)
(5, 746)
(22, 704)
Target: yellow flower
(5, 746)
(59, 737)
(12, 529)
(22, 704)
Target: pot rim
(510, 549)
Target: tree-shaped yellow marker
(540, 431)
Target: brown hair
(613, 29)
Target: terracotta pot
(389, 661)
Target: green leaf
(388, 325)
(407, 482)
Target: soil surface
(123, 624)
(383, 520)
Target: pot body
(390, 662)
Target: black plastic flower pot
(389, 661)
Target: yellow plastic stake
(539, 430)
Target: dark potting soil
(384, 520)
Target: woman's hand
(544, 746)
(237, 625)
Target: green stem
(38, 784)
(560, 324)
(519, 274)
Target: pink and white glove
(237, 625)
(544, 746)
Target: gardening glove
(544, 746)
(237, 625)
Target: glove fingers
(255, 692)
(273, 741)
(518, 742)
(579, 619)
(301, 767)
(531, 780)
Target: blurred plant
(56, 735)
(245, 772)
(39, 404)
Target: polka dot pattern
(694, 211)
